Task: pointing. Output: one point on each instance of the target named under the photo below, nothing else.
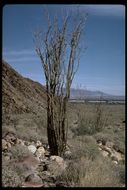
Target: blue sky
(102, 65)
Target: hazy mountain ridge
(89, 94)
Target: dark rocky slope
(19, 94)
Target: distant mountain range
(88, 94)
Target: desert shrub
(31, 128)
(88, 173)
(84, 146)
(71, 175)
(104, 137)
(99, 173)
(100, 118)
(8, 128)
(40, 121)
(119, 140)
(85, 127)
(121, 173)
(18, 151)
(10, 177)
(90, 123)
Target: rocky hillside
(19, 94)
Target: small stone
(116, 147)
(8, 144)
(104, 153)
(100, 143)
(7, 157)
(38, 144)
(58, 159)
(4, 144)
(12, 143)
(40, 152)
(32, 148)
(115, 162)
(107, 149)
(27, 143)
(46, 173)
(109, 144)
(33, 143)
(20, 141)
(10, 137)
(60, 184)
(56, 165)
(114, 158)
(67, 154)
(47, 153)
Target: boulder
(32, 148)
(58, 159)
(56, 165)
(33, 178)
